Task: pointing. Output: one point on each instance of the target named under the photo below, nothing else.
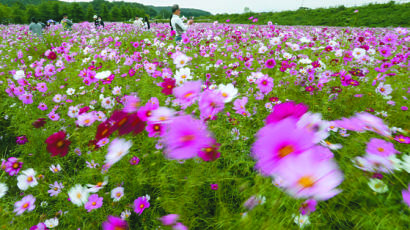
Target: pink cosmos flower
(214, 186)
(115, 223)
(134, 160)
(188, 93)
(276, 142)
(140, 204)
(307, 176)
(210, 104)
(179, 226)
(146, 111)
(155, 129)
(42, 106)
(265, 84)
(85, 119)
(39, 226)
(210, 153)
(239, 105)
(406, 195)
(94, 202)
(131, 104)
(26, 98)
(285, 110)
(55, 188)
(380, 147)
(185, 137)
(13, 166)
(53, 116)
(25, 204)
(402, 139)
(170, 219)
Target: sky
(237, 6)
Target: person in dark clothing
(147, 26)
(100, 21)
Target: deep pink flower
(239, 105)
(146, 111)
(277, 141)
(134, 160)
(57, 144)
(21, 140)
(13, 166)
(270, 63)
(140, 204)
(308, 207)
(210, 153)
(402, 139)
(42, 87)
(167, 86)
(154, 129)
(26, 98)
(185, 137)
(94, 202)
(380, 147)
(285, 110)
(115, 223)
(214, 186)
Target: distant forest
(372, 15)
(20, 11)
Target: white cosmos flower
(405, 163)
(358, 53)
(313, 122)
(118, 149)
(275, 41)
(301, 220)
(73, 111)
(162, 115)
(19, 75)
(27, 179)
(117, 193)
(378, 185)
(103, 75)
(182, 75)
(107, 103)
(95, 188)
(3, 189)
(229, 92)
(70, 91)
(51, 223)
(181, 60)
(78, 195)
(384, 89)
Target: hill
(371, 15)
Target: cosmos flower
(285, 110)
(51, 223)
(26, 179)
(78, 195)
(13, 166)
(117, 193)
(55, 188)
(57, 144)
(25, 204)
(117, 149)
(94, 202)
(3, 189)
(167, 86)
(210, 104)
(141, 203)
(115, 223)
(380, 147)
(185, 137)
(229, 92)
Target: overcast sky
(237, 6)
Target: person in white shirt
(176, 23)
(138, 22)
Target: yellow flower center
(306, 182)
(284, 151)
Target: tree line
(20, 11)
(371, 15)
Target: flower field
(237, 127)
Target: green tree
(124, 13)
(18, 15)
(90, 12)
(77, 12)
(31, 11)
(45, 11)
(55, 11)
(105, 13)
(115, 14)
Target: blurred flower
(170, 219)
(78, 195)
(117, 149)
(57, 144)
(21, 140)
(406, 195)
(285, 110)
(301, 220)
(114, 223)
(378, 185)
(55, 188)
(51, 223)
(308, 207)
(134, 160)
(214, 186)
(25, 204)
(13, 166)
(55, 168)
(26, 179)
(117, 193)
(3, 189)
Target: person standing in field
(35, 27)
(147, 26)
(100, 22)
(67, 23)
(138, 22)
(176, 23)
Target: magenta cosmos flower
(115, 223)
(380, 147)
(278, 141)
(140, 204)
(270, 63)
(265, 84)
(402, 139)
(25, 204)
(13, 166)
(94, 202)
(185, 137)
(285, 110)
(188, 93)
(308, 176)
(308, 207)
